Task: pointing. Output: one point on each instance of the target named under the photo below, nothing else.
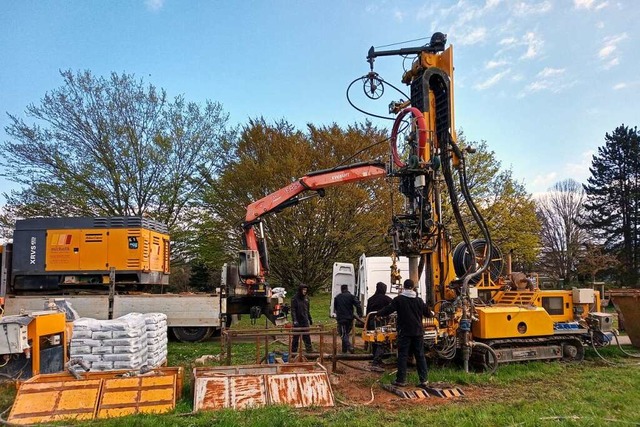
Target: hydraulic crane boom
(254, 239)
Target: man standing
(411, 309)
(343, 305)
(301, 317)
(375, 303)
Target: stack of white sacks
(156, 326)
(129, 342)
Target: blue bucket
(271, 358)
(285, 357)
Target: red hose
(422, 134)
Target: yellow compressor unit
(50, 253)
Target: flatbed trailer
(191, 317)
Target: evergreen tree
(613, 197)
(200, 277)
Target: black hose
(637, 355)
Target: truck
(361, 281)
(105, 267)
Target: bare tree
(560, 235)
(112, 146)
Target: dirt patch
(353, 385)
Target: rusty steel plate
(628, 301)
(239, 387)
(55, 401)
(300, 390)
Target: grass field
(591, 393)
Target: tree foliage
(111, 146)
(594, 260)
(613, 199)
(562, 238)
(304, 241)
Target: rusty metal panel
(628, 302)
(55, 401)
(126, 396)
(247, 391)
(296, 384)
(300, 390)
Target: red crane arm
(313, 181)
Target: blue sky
(541, 81)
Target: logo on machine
(32, 255)
(340, 176)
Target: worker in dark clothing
(375, 303)
(343, 305)
(411, 309)
(301, 317)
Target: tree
(112, 147)
(200, 277)
(561, 237)
(304, 241)
(613, 200)
(594, 260)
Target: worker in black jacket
(343, 305)
(301, 315)
(411, 309)
(375, 303)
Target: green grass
(318, 304)
(590, 393)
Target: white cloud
(473, 36)
(534, 45)
(550, 72)
(526, 9)
(549, 79)
(493, 80)
(399, 16)
(620, 86)
(537, 86)
(608, 52)
(590, 4)
(543, 182)
(579, 171)
(600, 25)
(509, 41)
(154, 5)
(490, 4)
(495, 64)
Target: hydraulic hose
(493, 355)
(422, 133)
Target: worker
(411, 309)
(343, 305)
(375, 303)
(301, 317)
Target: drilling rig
(482, 317)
